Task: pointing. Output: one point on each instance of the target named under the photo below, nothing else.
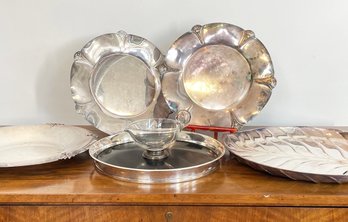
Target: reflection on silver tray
(31, 145)
(192, 156)
(222, 74)
(300, 153)
(114, 80)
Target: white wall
(308, 42)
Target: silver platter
(38, 144)
(223, 75)
(115, 80)
(301, 153)
(193, 156)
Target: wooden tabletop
(75, 181)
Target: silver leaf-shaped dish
(38, 144)
(301, 153)
(220, 73)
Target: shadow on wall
(53, 94)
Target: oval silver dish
(223, 75)
(192, 156)
(115, 80)
(38, 144)
(300, 153)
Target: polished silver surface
(115, 80)
(212, 73)
(312, 154)
(192, 156)
(220, 73)
(37, 144)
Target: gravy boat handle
(183, 117)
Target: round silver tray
(115, 80)
(220, 73)
(193, 156)
(38, 144)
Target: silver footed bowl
(156, 136)
(222, 74)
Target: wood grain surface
(168, 213)
(75, 181)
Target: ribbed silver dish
(193, 156)
(301, 153)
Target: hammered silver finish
(192, 156)
(115, 80)
(220, 73)
(312, 154)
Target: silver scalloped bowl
(220, 73)
(114, 80)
